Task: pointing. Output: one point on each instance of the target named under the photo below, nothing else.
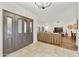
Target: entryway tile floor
(40, 49)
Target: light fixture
(43, 5)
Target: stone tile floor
(40, 49)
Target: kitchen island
(52, 38)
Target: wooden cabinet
(48, 38)
(17, 32)
(53, 38)
(41, 36)
(56, 38)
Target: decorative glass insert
(30, 26)
(9, 25)
(19, 26)
(25, 27)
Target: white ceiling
(58, 10)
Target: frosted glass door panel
(30, 26)
(9, 25)
(25, 27)
(19, 26)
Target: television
(58, 29)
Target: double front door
(17, 32)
